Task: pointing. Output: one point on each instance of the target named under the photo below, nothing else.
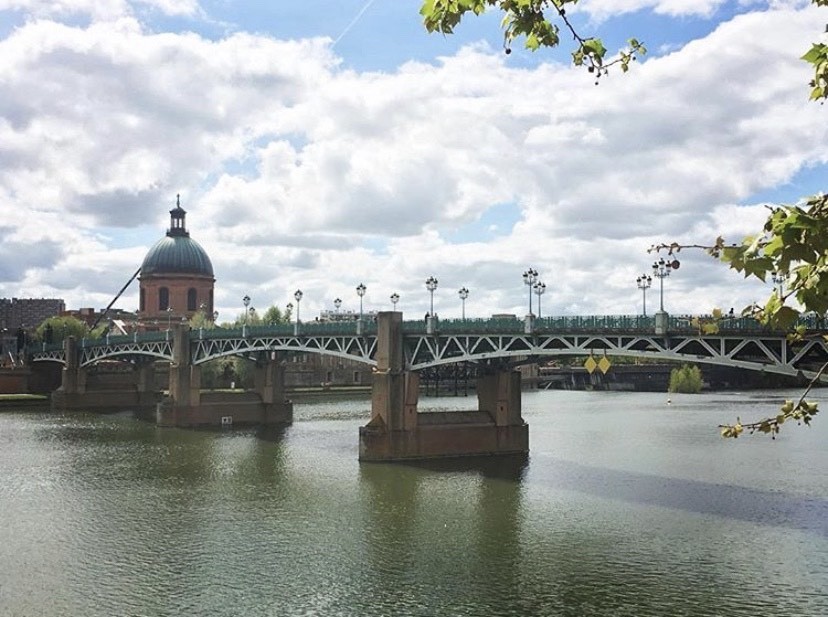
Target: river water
(625, 506)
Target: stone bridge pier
(77, 392)
(187, 406)
(397, 431)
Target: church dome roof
(177, 253)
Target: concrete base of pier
(224, 409)
(443, 434)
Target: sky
(319, 145)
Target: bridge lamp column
(431, 319)
(169, 317)
(395, 297)
(779, 283)
(464, 294)
(298, 297)
(246, 302)
(360, 289)
(644, 282)
(215, 316)
(661, 270)
(540, 289)
(431, 285)
(530, 277)
(337, 304)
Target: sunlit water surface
(626, 506)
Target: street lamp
(289, 308)
(298, 295)
(644, 282)
(463, 293)
(661, 270)
(530, 277)
(337, 304)
(431, 285)
(215, 316)
(169, 317)
(246, 302)
(252, 313)
(360, 289)
(395, 297)
(540, 289)
(779, 283)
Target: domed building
(176, 277)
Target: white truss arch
(758, 351)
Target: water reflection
(104, 515)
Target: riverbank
(16, 401)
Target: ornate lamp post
(298, 296)
(661, 270)
(360, 289)
(337, 304)
(169, 317)
(215, 316)
(395, 297)
(252, 313)
(431, 285)
(246, 302)
(540, 289)
(779, 283)
(530, 277)
(463, 293)
(644, 282)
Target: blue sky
(318, 145)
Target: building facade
(28, 313)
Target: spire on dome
(177, 219)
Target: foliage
(687, 379)
(818, 56)
(792, 247)
(218, 373)
(202, 320)
(539, 23)
(274, 315)
(802, 412)
(62, 327)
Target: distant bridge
(737, 342)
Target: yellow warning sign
(604, 365)
(590, 365)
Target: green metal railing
(610, 324)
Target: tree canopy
(55, 329)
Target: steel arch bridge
(739, 343)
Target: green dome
(177, 255)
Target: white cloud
(602, 9)
(99, 10)
(299, 173)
